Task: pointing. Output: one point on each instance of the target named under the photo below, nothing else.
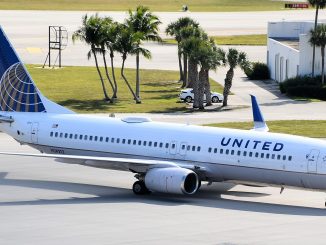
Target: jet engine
(172, 180)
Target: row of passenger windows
(251, 154)
(123, 141)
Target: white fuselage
(225, 154)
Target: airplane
(165, 157)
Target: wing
(123, 164)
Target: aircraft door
(34, 132)
(312, 158)
(173, 148)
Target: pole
(49, 46)
(59, 46)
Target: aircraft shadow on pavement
(206, 197)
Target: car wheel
(188, 99)
(215, 99)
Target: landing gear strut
(139, 188)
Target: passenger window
(144, 143)
(232, 152)
(215, 150)
(95, 138)
(150, 143)
(221, 151)
(256, 154)
(51, 134)
(284, 157)
(173, 146)
(183, 147)
(250, 154)
(227, 151)
(85, 137)
(278, 157)
(70, 136)
(188, 148)
(66, 135)
(161, 145)
(135, 142)
(123, 141)
(209, 149)
(155, 144)
(129, 141)
(107, 139)
(118, 140)
(273, 156)
(56, 134)
(166, 145)
(61, 135)
(290, 158)
(198, 148)
(91, 138)
(262, 155)
(139, 142)
(81, 137)
(244, 153)
(112, 140)
(76, 136)
(101, 139)
(239, 153)
(267, 155)
(193, 148)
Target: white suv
(187, 95)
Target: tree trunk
(107, 72)
(101, 78)
(322, 65)
(115, 91)
(201, 84)
(185, 71)
(137, 79)
(227, 85)
(180, 65)
(207, 87)
(196, 91)
(192, 72)
(125, 79)
(314, 46)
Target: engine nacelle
(172, 180)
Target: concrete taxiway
(46, 202)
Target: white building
(289, 52)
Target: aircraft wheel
(139, 188)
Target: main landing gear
(139, 187)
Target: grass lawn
(259, 39)
(79, 89)
(316, 129)
(154, 5)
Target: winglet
(259, 122)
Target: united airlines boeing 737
(165, 157)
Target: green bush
(304, 86)
(257, 71)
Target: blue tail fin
(18, 92)
(259, 122)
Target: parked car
(187, 95)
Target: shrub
(257, 71)
(304, 86)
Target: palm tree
(318, 4)
(173, 29)
(105, 24)
(110, 32)
(89, 33)
(232, 58)
(128, 43)
(318, 38)
(145, 22)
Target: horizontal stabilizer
(259, 122)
